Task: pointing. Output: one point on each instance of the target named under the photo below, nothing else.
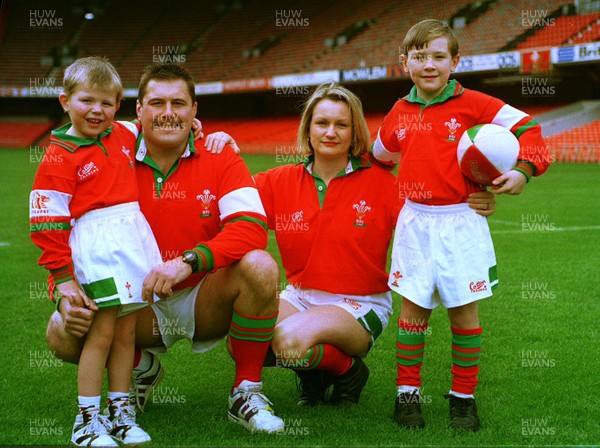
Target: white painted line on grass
(2, 243)
(555, 229)
(501, 221)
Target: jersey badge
(87, 170)
(205, 199)
(478, 286)
(397, 276)
(127, 152)
(453, 126)
(38, 202)
(400, 134)
(361, 210)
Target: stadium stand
(223, 43)
(502, 23)
(563, 30)
(268, 135)
(245, 39)
(15, 134)
(579, 145)
(590, 34)
(25, 44)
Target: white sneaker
(124, 428)
(249, 407)
(91, 430)
(143, 384)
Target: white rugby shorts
(442, 255)
(176, 320)
(372, 312)
(113, 249)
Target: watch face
(190, 257)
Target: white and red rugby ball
(487, 151)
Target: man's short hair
(333, 91)
(166, 72)
(422, 33)
(92, 71)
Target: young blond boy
(96, 243)
(443, 252)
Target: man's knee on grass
(63, 345)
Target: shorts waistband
(438, 209)
(113, 210)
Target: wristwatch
(190, 257)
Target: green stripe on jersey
(519, 131)
(250, 219)
(41, 226)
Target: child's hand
(197, 128)
(77, 320)
(216, 141)
(71, 291)
(511, 182)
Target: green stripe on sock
(410, 338)
(316, 353)
(249, 336)
(252, 329)
(465, 355)
(464, 363)
(408, 362)
(252, 322)
(467, 341)
(402, 351)
(407, 337)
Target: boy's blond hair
(93, 71)
(422, 33)
(333, 91)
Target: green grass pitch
(539, 381)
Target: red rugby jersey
(333, 238)
(206, 202)
(423, 137)
(75, 176)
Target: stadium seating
(502, 23)
(562, 29)
(576, 145)
(21, 134)
(213, 38)
(24, 44)
(591, 33)
(265, 135)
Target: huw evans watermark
(44, 18)
(290, 18)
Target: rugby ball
(487, 151)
